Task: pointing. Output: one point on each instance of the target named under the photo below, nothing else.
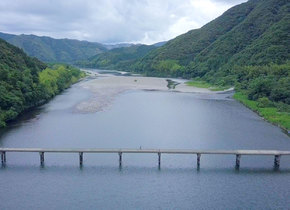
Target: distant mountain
(54, 50)
(160, 44)
(113, 46)
(117, 58)
(252, 33)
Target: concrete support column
(198, 160)
(277, 161)
(159, 159)
(81, 158)
(41, 154)
(238, 160)
(3, 157)
(120, 158)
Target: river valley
(92, 114)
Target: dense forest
(48, 49)
(252, 33)
(26, 82)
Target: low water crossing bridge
(237, 153)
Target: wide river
(146, 119)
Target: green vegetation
(48, 49)
(266, 90)
(118, 58)
(58, 77)
(171, 84)
(252, 33)
(270, 81)
(272, 114)
(26, 82)
(203, 84)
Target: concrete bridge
(238, 153)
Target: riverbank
(203, 84)
(270, 114)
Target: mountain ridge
(224, 42)
(48, 49)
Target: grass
(203, 84)
(271, 114)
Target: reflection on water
(149, 119)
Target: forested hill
(247, 47)
(48, 49)
(118, 58)
(252, 33)
(26, 82)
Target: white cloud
(109, 21)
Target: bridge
(238, 153)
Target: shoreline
(259, 111)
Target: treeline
(266, 90)
(56, 78)
(26, 82)
(20, 93)
(266, 84)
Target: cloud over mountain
(109, 21)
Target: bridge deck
(163, 151)
(276, 153)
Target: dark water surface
(150, 120)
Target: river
(146, 119)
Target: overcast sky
(109, 21)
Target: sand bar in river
(105, 89)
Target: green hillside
(48, 49)
(26, 82)
(252, 33)
(118, 58)
(247, 47)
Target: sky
(109, 21)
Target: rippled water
(151, 120)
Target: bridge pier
(198, 159)
(277, 161)
(41, 154)
(238, 160)
(120, 159)
(3, 157)
(81, 158)
(159, 159)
